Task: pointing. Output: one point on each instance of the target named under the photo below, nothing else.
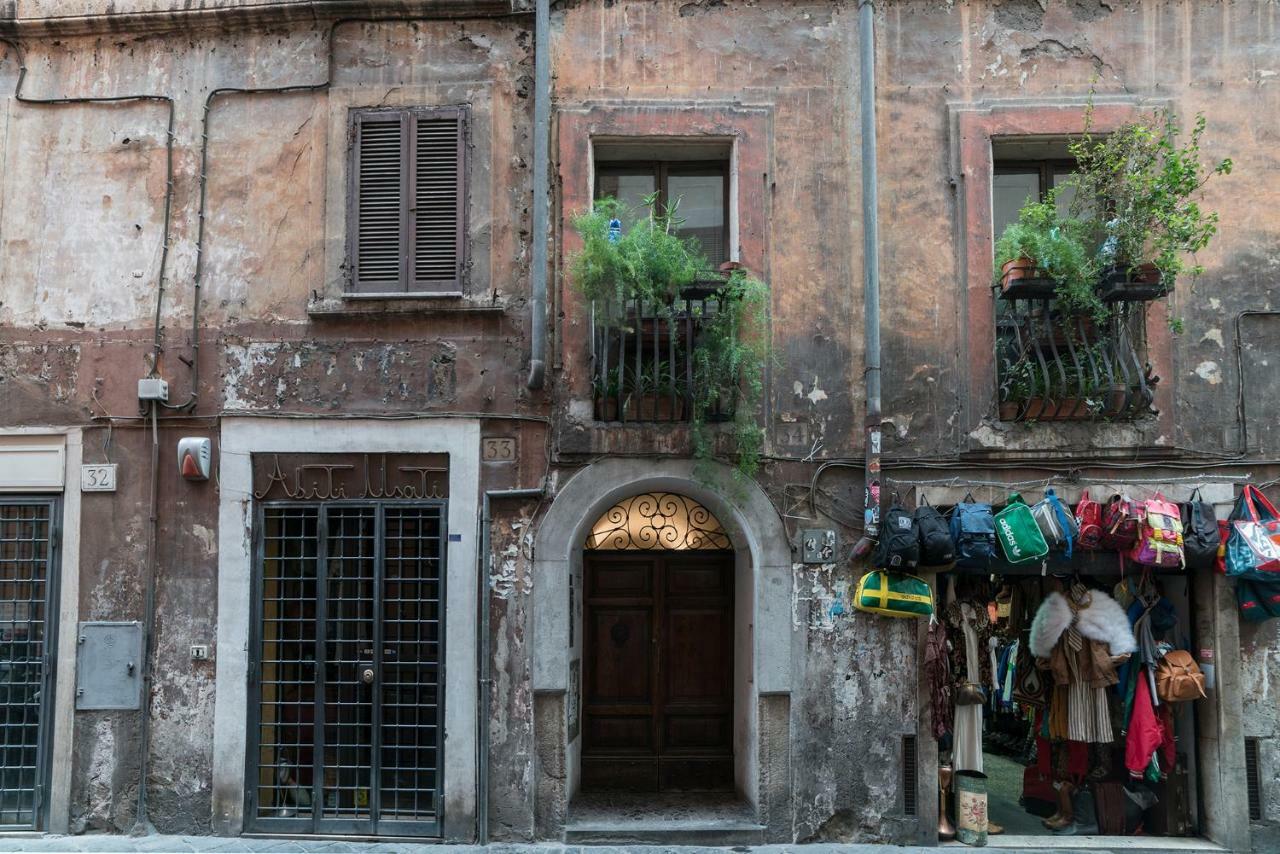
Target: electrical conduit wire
(168, 101)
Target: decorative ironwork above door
(657, 521)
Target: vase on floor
(971, 807)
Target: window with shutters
(406, 220)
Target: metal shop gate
(346, 675)
(28, 587)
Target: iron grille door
(348, 668)
(27, 584)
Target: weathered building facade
(395, 567)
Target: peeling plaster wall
(81, 230)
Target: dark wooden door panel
(658, 671)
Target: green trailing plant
(729, 360)
(731, 350)
(1060, 247)
(1143, 181)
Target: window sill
(372, 305)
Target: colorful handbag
(1258, 600)
(1253, 546)
(1159, 535)
(893, 594)
(1019, 535)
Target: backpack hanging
(1088, 522)
(1200, 538)
(1019, 535)
(936, 547)
(1253, 546)
(1159, 541)
(899, 545)
(1120, 524)
(973, 530)
(1057, 525)
(1258, 600)
(1179, 678)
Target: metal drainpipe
(541, 191)
(483, 681)
(871, 275)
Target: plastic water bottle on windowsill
(615, 230)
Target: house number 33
(498, 450)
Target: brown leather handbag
(1179, 678)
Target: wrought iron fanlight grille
(657, 521)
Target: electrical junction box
(153, 388)
(109, 666)
(195, 457)
(818, 545)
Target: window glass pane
(1009, 192)
(630, 189)
(1067, 194)
(701, 200)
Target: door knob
(366, 676)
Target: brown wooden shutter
(438, 198)
(408, 201)
(378, 199)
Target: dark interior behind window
(699, 188)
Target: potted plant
(1045, 255)
(649, 267)
(1143, 183)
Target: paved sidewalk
(158, 844)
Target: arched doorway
(658, 648)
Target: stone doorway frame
(762, 662)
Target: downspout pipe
(541, 193)
(483, 680)
(870, 275)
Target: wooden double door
(657, 671)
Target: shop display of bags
(973, 530)
(1120, 523)
(1088, 522)
(1018, 534)
(1179, 678)
(1159, 542)
(1200, 538)
(936, 547)
(1253, 545)
(899, 545)
(1056, 523)
(1258, 600)
(893, 594)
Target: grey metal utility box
(109, 666)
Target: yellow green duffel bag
(893, 594)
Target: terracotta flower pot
(1019, 279)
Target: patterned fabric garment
(938, 674)
(982, 629)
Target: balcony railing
(1056, 367)
(642, 370)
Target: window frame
(409, 287)
(662, 170)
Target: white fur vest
(1103, 620)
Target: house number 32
(98, 478)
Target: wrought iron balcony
(642, 370)
(1055, 367)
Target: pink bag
(1159, 535)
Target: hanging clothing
(1088, 717)
(1149, 730)
(966, 751)
(938, 676)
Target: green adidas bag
(893, 594)
(1019, 535)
